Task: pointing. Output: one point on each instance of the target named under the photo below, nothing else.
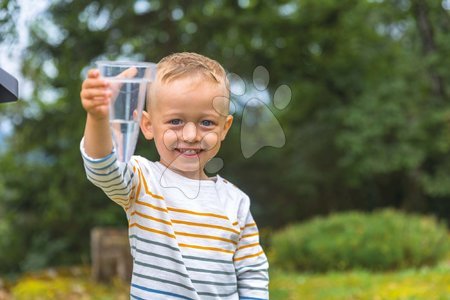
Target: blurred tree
(367, 125)
(9, 10)
(396, 136)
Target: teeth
(189, 151)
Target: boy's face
(188, 119)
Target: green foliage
(9, 10)
(382, 240)
(419, 284)
(73, 283)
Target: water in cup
(125, 135)
(128, 83)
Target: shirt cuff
(98, 162)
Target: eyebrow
(200, 116)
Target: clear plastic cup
(128, 84)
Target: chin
(187, 167)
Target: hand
(95, 95)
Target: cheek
(170, 139)
(209, 141)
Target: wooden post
(110, 254)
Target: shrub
(382, 240)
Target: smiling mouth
(188, 152)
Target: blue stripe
(117, 184)
(117, 194)
(98, 160)
(210, 271)
(103, 168)
(112, 185)
(254, 278)
(102, 174)
(208, 259)
(160, 292)
(164, 281)
(109, 180)
(118, 189)
(158, 255)
(248, 287)
(161, 268)
(214, 283)
(254, 266)
(92, 179)
(216, 295)
(136, 297)
(154, 243)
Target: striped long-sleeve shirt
(190, 239)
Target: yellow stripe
(151, 218)
(205, 225)
(248, 256)
(132, 190)
(250, 235)
(235, 223)
(247, 246)
(248, 225)
(206, 248)
(205, 237)
(128, 206)
(147, 190)
(197, 213)
(152, 230)
(152, 206)
(138, 190)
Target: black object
(9, 87)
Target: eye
(207, 123)
(175, 122)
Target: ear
(226, 126)
(146, 125)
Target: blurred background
(366, 158)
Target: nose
(189, 132)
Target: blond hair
(188, 63)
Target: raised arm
(95, 97)
(102, 168)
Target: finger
(128, 73)
(98, 101)
(95, 83)
(93, 73)
(101, 100)
(95, 104)
(93, 93)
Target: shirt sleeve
(250, 262)
(116, 179)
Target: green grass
(425, 283)
(413, 284)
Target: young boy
(191, 236)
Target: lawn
(424, 283)
(414, 284)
